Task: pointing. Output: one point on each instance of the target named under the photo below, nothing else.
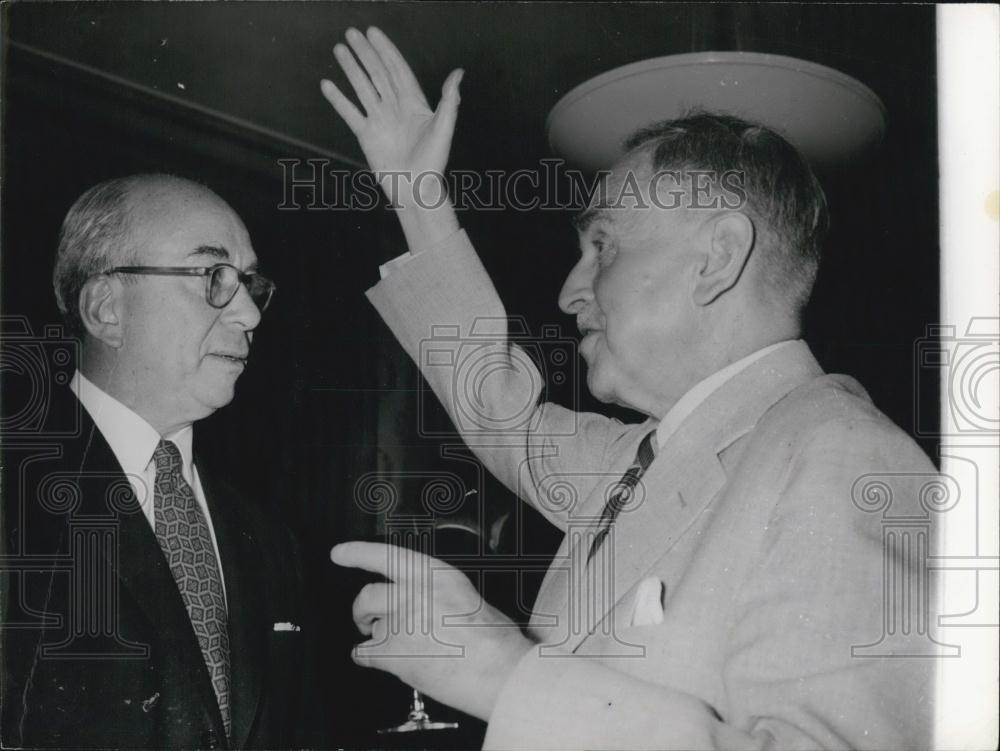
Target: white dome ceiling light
(827, 115)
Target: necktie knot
(647, 451)
(167, 457)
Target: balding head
(136, 277)
(103, 229)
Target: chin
(599, 388)
(603, 388)
(218, 395)
(225, 396)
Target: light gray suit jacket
(749, 595)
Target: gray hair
(781, 190)
(97, 235)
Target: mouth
(587, 325)
(233, 358)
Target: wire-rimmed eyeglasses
(222, 281)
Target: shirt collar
(131, 438)
(703, 389)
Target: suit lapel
(140, 566)
(676, 489)
(246, 614)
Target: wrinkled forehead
(173, 220)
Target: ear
(101, 309)
(729, 247)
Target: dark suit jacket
(98, 650)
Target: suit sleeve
(445, 312)
(791, 676)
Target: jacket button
(209, 739)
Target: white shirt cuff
(386, 268)
(389, 266)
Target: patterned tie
(623, 493)
(184, 537)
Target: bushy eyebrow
(215, 251)
(219, 252)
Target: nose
(578, 289)
(242, 310)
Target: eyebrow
(218, 251)
(583, 220)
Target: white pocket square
(285, 626)
(648, 603)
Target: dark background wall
(90, 91)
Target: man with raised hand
(724, 589)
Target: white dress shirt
(133, 441)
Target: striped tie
(623, 492)
(184, 537)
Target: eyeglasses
(222, 281)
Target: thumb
(362, 654)
(449, 89)
(447, 109)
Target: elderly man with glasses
(175, 622)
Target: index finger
(376, 557)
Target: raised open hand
(399, 134)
